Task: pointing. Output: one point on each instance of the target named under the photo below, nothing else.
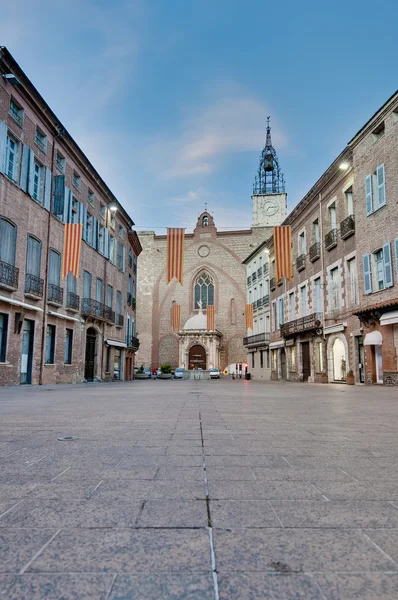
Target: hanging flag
(175, 254)
(176, 317)
(283, 252)
(71, 253)
(249, 316)
(211, 321)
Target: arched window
(204, 290)
(205, 221)
(8, 241)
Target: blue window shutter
(23, 179)
(388, 281)
(47, 190)
(30, 172)
(124, 259)
(95, 233)
(367, 276)
(106, 246)
(368, 188)
(67, 205)
(59, 196)
(3, 142)
(83, 219)
(396, 255)
(381, 186)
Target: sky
(169, 98)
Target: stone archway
(337, 356)
(197, 357)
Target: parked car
(179, 373)
(214, 373)
(147, 371)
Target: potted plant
(165, 371)
(141, 373)
(350, 379)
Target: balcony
(254, 277)
(119, 320)
(109, 314)
(266, 300)
(308, 323)
(257, 339)
(249, 280)
(33, 286)
(259, 303)
(133, 342)
(9, 276)
(300, 262)
(259, 272)
(272, 283)
(265, 270)
(315, 251)
(92, 308)
(72, 301)
(255, 305)
(55, 295)
(347, 227)
(331, 239)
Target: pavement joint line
(24, 569)
(59, 474)
(10, 509)
(313, 578)
(120, 461)
(11, 453)
(285, 459)
(111, 587)
(36, 461)
(377, 546)
(323, 495)
(95, 489)
(139, 513)
(345, 473)
(253, 474)
(276, 514)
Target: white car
(214, 373)
(179, 373)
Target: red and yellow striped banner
(249, 316)
(71, 253)
(283, 252)
(175, 254)
(176, 317)
(211, 319)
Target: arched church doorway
(339, 360)
(197, 357)
(91, 353)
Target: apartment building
(54, 330)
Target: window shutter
(367, 276)
(67, 205)
(368, 187)
(123, 259)
(83, 220)
(388, 280)
(3, 142)
(23, 179)
(30, 172)
(106, 246)
(33, 257)
(396, 256)
(95, 233)
(47, 190)
(381, 185)
(59, 196)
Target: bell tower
(269, 199)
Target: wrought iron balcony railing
(265, 270)
(258, 338)
(266, 300)
(109, 314)
(315, 251)
(55, 294)
(254, 277)
(9, 276)
(255, 305)
(347, 227)
(133, 342)
(119, 320)
(331, 239)
(72, 301)
(259, 303)
(33, 286)
(249, 280)
(272, 283)
(300, 262)
(92, 308)
(306, 323)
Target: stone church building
(213, 275)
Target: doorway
(305, 353)
(361, 359)
(117, 359)
(91, 353)
(283, 363)
(379, 364)
(339, 360)
(27, 352)
(197, 357)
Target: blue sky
(169, 98)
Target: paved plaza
(199, 490)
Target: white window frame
(15, 153)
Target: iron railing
(92, 308)
(272, 283)
(347, 227)
(254, 277)
(315, 251)
(119, 320)
(331, 239)
(9, 275)
(55, 294)
(306, 323)
(259, 303)
(258, 338)
(40, 144)
(133, 342)
(72, 301)
(109, 314)
(266, 300)
(300, 262)
(34, 285)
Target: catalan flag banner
(71, 253)
(175, 254)
(283, 252)
(249, 316)
(176, 317)
(211, 322)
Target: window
(101, 239)
(120, 256)
(301, 244)
(89, 229)
(292, 311)
(318, 357)
(71, 283)
(76, 180)
(280, 312)
(267, 355)
(253, 363)
(90, 197)
(334, 288)
(38, 182)
(60, 162)
(204, 290)
(261, 359)
(99, 290)
(379, 271)
(112, 256)
(353, 280)
(293, 358)
(3, 336)
(130, 257)
(378, 132)
(75, 211)
(54, 276)
(16, 112)
(205, 221)
(33, 263)
(129, 286)
(274, 320)
(273, 360)
(41, 140)
(12, 157)
(303, 300)
(318, 295)
(68, 346)
(119, 302)
(50, 345)
(349, 202)
(112, 218)
(332, 216)
(375, 187)
(121, 231)
(315, 231)
(8, 241)
(109, 296)
(102, 211)
(86, 284)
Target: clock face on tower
(270, 208)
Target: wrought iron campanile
(269, 178)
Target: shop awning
(279, 344)
(116, 343)
(374, 338)
(389, 318)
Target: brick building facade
(53, 330)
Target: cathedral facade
(213, 275)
